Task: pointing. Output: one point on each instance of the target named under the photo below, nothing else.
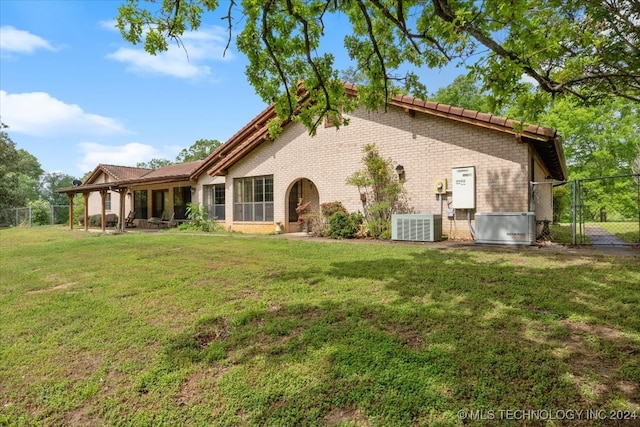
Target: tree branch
(232, 3)
(276, 62)
(374, 43)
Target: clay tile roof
(173, 171)
(545, 140)
(125, 172)
(117, 173)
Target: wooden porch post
(103, 209)
(123, 196)
(86, 210)
(71, 196)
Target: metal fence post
(573, 211)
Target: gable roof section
(242, 142)
(544, 141)
(177, 172)
(117, 173)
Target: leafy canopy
(19, 173)
(585, 49)
(198, 151)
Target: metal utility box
(506, 228)
(416, 227)
(463, 186)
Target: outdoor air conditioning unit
(506, 228)
(416, 227)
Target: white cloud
(129, 154)
(19, 41)
(108, 25)
(183, 61)
(39, 114)
(123, 155)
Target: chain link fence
(591, 211)
(34, 215)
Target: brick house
(260, 180)
(251, 182)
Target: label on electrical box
(464, 188)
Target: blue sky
(75, 94)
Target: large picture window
(214, 201)
(253, 199)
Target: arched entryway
(302, 190)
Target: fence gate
(606, 210)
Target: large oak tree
(585, 49)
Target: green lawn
(168, 329)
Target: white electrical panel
(464, 187)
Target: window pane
(219, 213)
(247, 189)
(207, 198)
(268, 189)
(268, 211)
(259, 208)
(248, 212)
(237, 212)
(140, 203)
(259, 190)
(219, 194)
(237, 190)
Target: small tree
(381, 193)
(198, 219)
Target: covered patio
(150, 194)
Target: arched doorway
(300, 191)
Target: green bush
(344, 226)
(40, 212)
(561, 204)
(198, 219)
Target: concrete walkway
(600, 236)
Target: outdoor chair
(130, 218)
(170, 222)
(158, 222)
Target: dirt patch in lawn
(55, 288)
(346, 416)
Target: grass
(170, 329)
(561, 233)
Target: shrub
(381, 193)
(198, 221)
(329, 208)
(343, 225)
(317, 223)
(40, 212)
(561, 204)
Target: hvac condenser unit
(416, 227)
(506, 228)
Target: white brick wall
(428, 147)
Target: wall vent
(416, 227)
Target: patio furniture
(130, 218)
(159, 221)
(171, 222)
